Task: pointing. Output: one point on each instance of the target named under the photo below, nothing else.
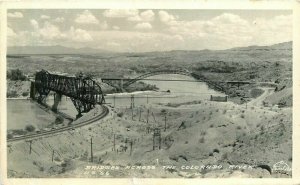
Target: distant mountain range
(281, 46)
(57, 49)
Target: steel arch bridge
(84, 92)
(127, 82)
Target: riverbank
(196, 134)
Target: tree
(29, 128)
(16, 74)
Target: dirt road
(259, 100)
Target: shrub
(242, 116)
(201, 140)
(120, 114)
(9, 136)
(216, 150)
(29, 128)
(41, 168)
(16, 74)
(256, 92)
(224, 156)
(12, 94)
(25, 93)
(59, 120)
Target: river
(23, 112)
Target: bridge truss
(84, 92)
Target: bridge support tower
(57, 99)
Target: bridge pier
(57, 99)
(42, 96)
(81, 107)
(32, 90)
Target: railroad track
(105, 111)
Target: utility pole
(131, 113)
(132, 101)
(30, 142)
(91, 149)
(114, 142)
(148, 111)
(114, 101)
(52, 155)
(165, 121)
(153, 117)
(130, 147)
(140, 114)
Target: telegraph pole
(30, 142)
(114, 101)
(30, 146)
(148, 111)
(153, 117)
(132, 114)
(165, 121)
(52, 155)
(140, 114)
(130, 147)
(114, 142)
(91, 149)
(132, 101)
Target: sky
(144, 30)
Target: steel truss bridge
(84, 92)
(121, 83)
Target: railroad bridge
(122, 83)
(84, 92)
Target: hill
(57, 49)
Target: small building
(219, 98)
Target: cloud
(86, 17)
(79, 35)
(15, 15)
(145, 16)
(143, 26)
(136, 41)
(51, 32)
(104, 25)
(228, 18)
(120, 13)
(59, 19)
(113, 44)
(165, 17)
(34, 24)
(116, 27)
(45, 17)
(169, 32)
(10, 32)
